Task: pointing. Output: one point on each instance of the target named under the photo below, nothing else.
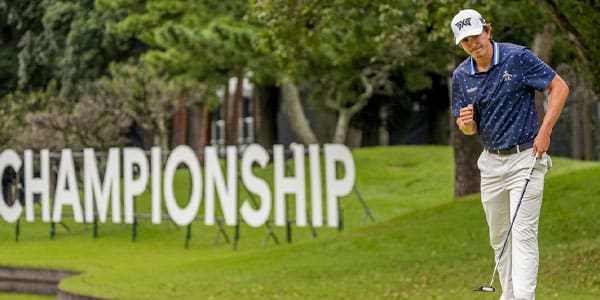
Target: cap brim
(469, 32)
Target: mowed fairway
(423, 245)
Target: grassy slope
(423, 246)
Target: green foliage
(22, 15)
(8, 69)
(346, 50)
(190, 40)
(44, 120)
(148, 97)
(16, 17)
(584, 16)
(42, 47)
(89, 50)
(399, 46)
(70, 46)
(14, 109)
(9, 296)
(334, 41)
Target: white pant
(502, 181)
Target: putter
(491, 288)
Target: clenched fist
(466, 120)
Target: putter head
(483, 288)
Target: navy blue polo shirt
(503, 96)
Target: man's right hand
(466, 121)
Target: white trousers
(502, 180)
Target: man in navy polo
(493, 96)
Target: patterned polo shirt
(503, 96)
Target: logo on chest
(507, 76)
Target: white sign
(209, 185)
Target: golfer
(493, 96)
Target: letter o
(182, 154)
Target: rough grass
(423, 245)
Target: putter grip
(532, 167)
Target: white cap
(466, 23)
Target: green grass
(424, 244)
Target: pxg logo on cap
(466, 23)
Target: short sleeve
(536, 73)
(458, 99)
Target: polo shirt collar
(495, 58)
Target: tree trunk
(341, 128)
(577, 130)
(542, 47)
(265, 115)
(295, 113)
(233, 111)
(346, 113)
(466, 151)
(343, 123)
(384, 133)
(179, 132)
(162, 137)
(194, 131)
(327, 119)
(588, 126)
(205, 127)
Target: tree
(66, 42)
(344, 48)
(13, 110)
(40, 120)
(149, 98)
(203, 42)
(579, 21)
(53, 53)
(16, 17)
